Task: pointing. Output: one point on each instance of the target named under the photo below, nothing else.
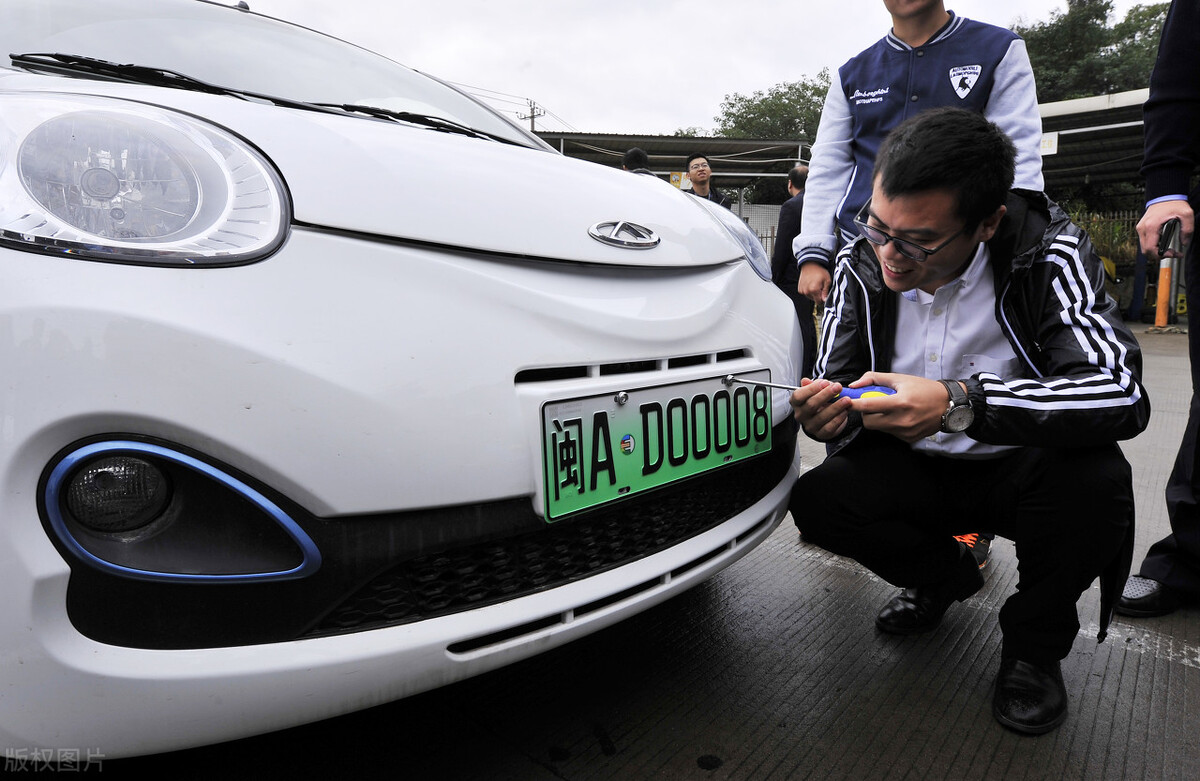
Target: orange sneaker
(980, 547)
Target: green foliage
(1077, 55)
(1114, 235)
(1135, 46)
(791, 109)
(788, 111)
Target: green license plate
(597, 449)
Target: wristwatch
(958, 415)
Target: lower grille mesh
(485, 573)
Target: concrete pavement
(774, 670)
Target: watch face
(959, 419)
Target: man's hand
(818, 409)
(1152, 221)
(814, 281)
(913, 413)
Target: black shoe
(920, 608)
(912, 611)
(1030, 698)
(1144, 597)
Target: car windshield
(239, 50)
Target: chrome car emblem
(619, 233)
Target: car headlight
(126, 182)
(755, 254)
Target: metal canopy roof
(1099, 139)
(736, 162)
(1092, 140)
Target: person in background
(784, 272)
(700, 174)
(637, 161)
(1170, 574)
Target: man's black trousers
(808, 327)
(1175, 559)
(895, 511)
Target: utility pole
(535, 111)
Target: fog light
(149, 512)
(117, 494)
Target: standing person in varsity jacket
(930, 58)
(1014, 427)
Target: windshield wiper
(426, 120)
(144, 74)
(162, 77)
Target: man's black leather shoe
(1144, 597)
(912, 611)
(1030, 698)
(920, 608)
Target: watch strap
(958, 416)
(958, 396)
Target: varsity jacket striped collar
(948, 29)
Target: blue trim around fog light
(57, 479)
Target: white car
(323, 384)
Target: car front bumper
(356, 381)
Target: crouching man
(1014, 378)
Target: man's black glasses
(906, 248)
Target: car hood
(387, 179)
(425, 185)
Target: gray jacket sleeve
(829, 174)
(1013, 107)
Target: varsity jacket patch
(963, 78)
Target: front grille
(396, 568)
(485, 573)
(555, 373)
